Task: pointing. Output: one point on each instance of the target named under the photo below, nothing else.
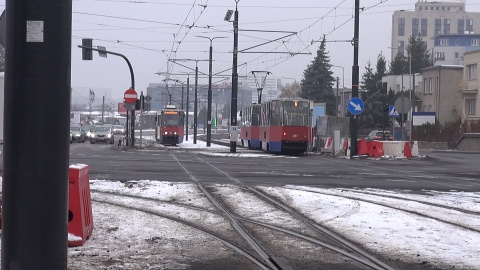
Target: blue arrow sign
(392, 111)
(355, 106)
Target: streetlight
(209, 105)
(343, 93)
(233, 104)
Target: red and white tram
(286, 125)
(170, 125)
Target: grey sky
(149, 31)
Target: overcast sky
(149, 32)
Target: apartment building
(429, 19)
(469, 88)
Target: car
(119, 129)
(78, 134)
(101, 134)
(378, 135)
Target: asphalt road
(443, 171)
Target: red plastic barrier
(362, 147)
(407, 150)
(80, 218)
(375, 149)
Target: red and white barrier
(327, 145)
(80, 218)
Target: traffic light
(137, 104)
(385, 107)
(87, 54)
(215, 122)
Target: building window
(425, 86)
(439, 56)
(400, 47)
(415, 26)
(471, 106)
(469, 26)
(424, 108)
(444, 42)
(424, 27)
(472, 71)
(438, 26)
(430, 85)
(475, 42)
(401, 26)
(446, 26)
(461, 27)
(429, 108)
(456, 55)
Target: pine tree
(374, 96)
(317, 82)
(417, 53)
(420, 56)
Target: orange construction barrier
(407, 150)
(375, 149)
(80, 218)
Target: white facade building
(271, 89)
(429, 19)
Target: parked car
(78, 134)
(378, 135)
(101, 134)
(118, 129)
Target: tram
(250, 126)
(169, 127)
(286, 125)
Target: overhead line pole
(355, 80)
(233, 105)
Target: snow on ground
(402, 235)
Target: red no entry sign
(130, 96)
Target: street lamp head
(228, 16)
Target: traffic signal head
(87, 54)
(137, 104)
(385, 107)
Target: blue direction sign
(392, 111)
(355, 106)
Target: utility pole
(35, 183)
(209, 103)
(355, 80)
(336, 100)
(195, 106)
(188, 105)
(234, 100)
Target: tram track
(440, 215)
(350, 250)
(192, 224)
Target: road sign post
(130, 97)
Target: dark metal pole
(37, 101)
(209, 104)
(195, 106)
(355, 80)
(233, 105)
(188, 105)
(182, 96)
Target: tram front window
(295, 113)
(171, 120)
